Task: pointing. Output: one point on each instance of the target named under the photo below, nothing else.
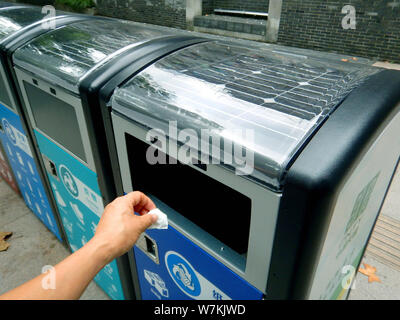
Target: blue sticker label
(69, 181)
(79, 201)
(9, 131)
(183, 274)
(185, 271)
(16, 146)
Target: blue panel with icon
(21, 160)
(185, 271)
(79, 201)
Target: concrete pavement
(32, 246)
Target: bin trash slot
(149, 247)
(50, 167)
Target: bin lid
(14, 18)
(64, 56)
(259, 99)
(7, 4)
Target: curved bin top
(69, 53)
(263, 100)
(13, 19)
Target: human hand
(119, 228)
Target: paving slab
(32, 246)
(387, 65)
(12, 206)
(387, 289)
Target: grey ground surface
(32, 246)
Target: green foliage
(77, 4)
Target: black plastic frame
(316, 176)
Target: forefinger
(139, 202)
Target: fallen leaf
(4, 245)
(5, 235)
(369, 271)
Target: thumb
(146, 221)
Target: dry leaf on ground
(3, 244)
(5, 235)
(369, 271)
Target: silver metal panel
(265, 206)
(69, 99)
(142, 244)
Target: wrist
(100, 250)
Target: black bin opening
(219, 210)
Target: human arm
(117, 232)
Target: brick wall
(170, 13)
(313, 24)
(245, 5)
(208, 6)
(317, 24)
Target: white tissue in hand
(162, 221)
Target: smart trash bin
(60, 75)
(19, 24)
(324, 139)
